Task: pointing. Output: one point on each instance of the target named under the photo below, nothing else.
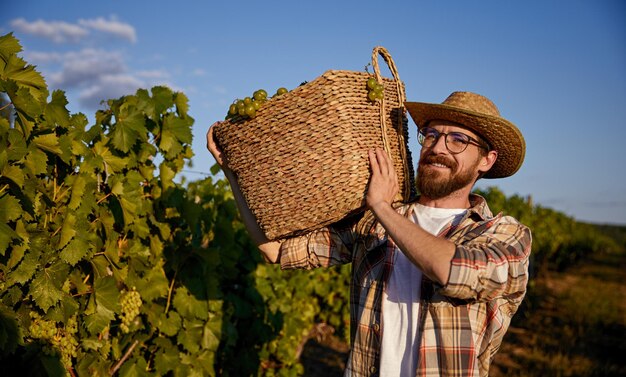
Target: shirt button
(372, 369)
(376, 328)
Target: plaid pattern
(461, 323)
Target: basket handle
(379, 50)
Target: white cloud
(198, 72)
(63, 32)
(39, 57)
(154, 74)
(111, 26)
(86, 66)
(107, 87)
(90, 75)
(56, 31)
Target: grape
(371, 83)
(131, 305)
(250, 111)
(260, 95)
(56, 341)
(375, 90)
(248, 106)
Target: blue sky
(557, 69)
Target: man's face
(439, 172)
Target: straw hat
(478, 114)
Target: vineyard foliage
(108, 266)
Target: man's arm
(430, 253)
(270, 249)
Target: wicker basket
(302, 162)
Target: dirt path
(573, 324)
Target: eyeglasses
(456, 142)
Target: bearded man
(435, 282)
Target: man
(435, 282)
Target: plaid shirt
(461, 323)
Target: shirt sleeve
(492, 265)
(320, 248)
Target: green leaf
(167, 174)
(26, 77)
(170, 323)
(163, 99)
(68, 230)
(129, 130)
(48, 143)
(10, 208)
(75, 250)
(100, 319)
(188, 305)
(135, 367)
(166, 360)
(153, 285)
(26, 269)
(211, 334)
(14, 173)
(36, 161)
(56, 112)
(182, 106)
(78, 190)
(107, 293)
(9, 45)
(46, 286)
(191, 336)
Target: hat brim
(502, 135)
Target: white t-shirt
(401, 298)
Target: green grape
(256, 105)
(371, 83)
(247, 101)
(281, 91)
(259, 95)
(232, 110)
(131, 304)
(250, 111)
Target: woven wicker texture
(302, 162)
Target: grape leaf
(48, 143)
(107, 294)
(45, 287)
(191, 337)
(188, 305)
(100, 319)
(10, 208)
(127, 131)
(75, 250)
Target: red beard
(435, 185)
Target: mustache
(434, 159)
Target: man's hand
(213, 148)
(383, 186)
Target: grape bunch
(56, 341)
(248, 106)
(131, 304)
(375, 89)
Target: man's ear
(487, 161)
